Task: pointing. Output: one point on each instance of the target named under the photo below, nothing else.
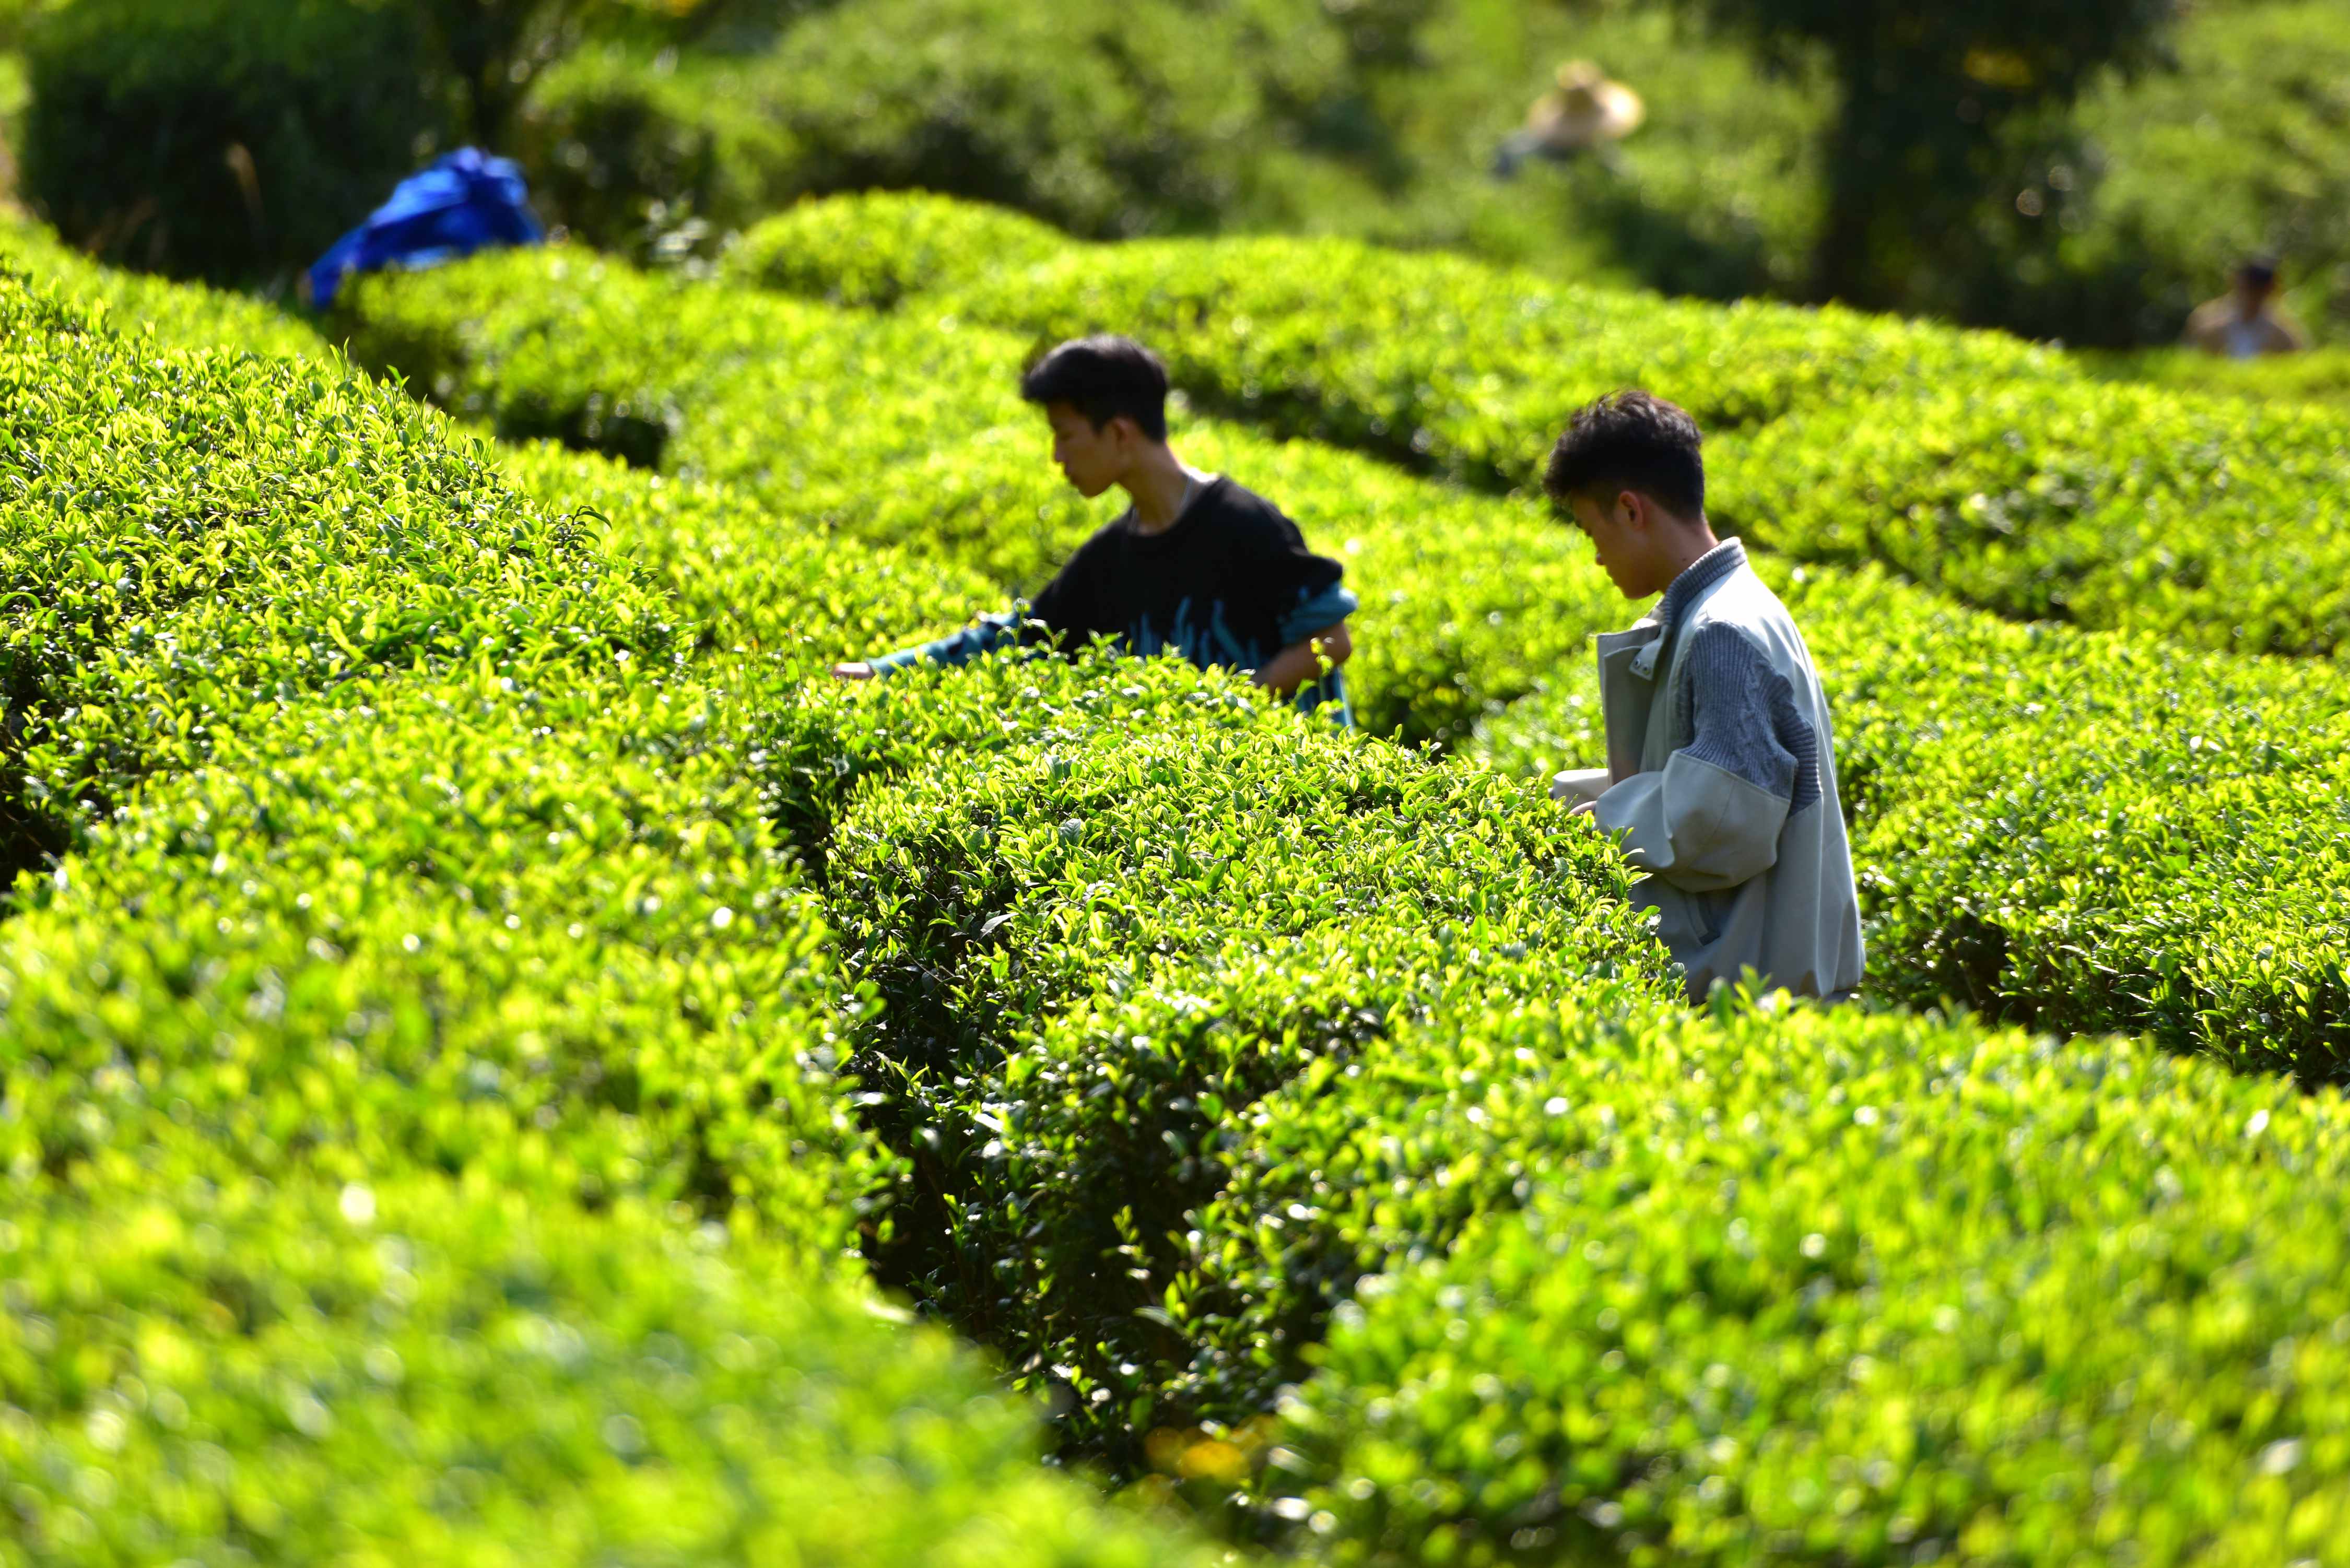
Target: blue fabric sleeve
(985, 635)
(1318, 612)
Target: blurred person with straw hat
(1585, 112)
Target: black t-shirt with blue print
(1230, 584)
(1223, 584)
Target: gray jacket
(1725, 784)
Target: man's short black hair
(2259, 270)
(1630, 440)
(1102, 378)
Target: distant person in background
(2245, 323)
(1720, 782)
(1586, 112)
(1195, 565)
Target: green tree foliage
(226, 140)
(1148, 117)
(493, 50)
(1927, 91)
(18, 16)
(2241, 150)
(490, 53)
(233, 140)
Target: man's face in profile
(1090, 459)
(1620, 540)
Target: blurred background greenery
(2084, 173)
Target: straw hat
(1586, 109)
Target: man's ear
(1632, 509)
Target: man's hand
(1299, 662)
(1585, 808)
(856, 669)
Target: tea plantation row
(419, 1135)
(2051, 822)
(182, 314)
(426, 1127)
(894, 431)
(1972, 462)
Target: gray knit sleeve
(1745, 718)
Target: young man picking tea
(1721, 780)
(1196, 564)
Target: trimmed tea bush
(1687, 1382)
(174, 314)
(2118, 510)
(180, 549)
(2058, 495)
(2210, 520)
(874, 249)
(555, 342)
(416, 1368)
(1820, 1287)
(1472, 603)
(740, 582)
(1096, 946)
(399, 884)
(429, 1006)
(447, 925)
(1469, 599)
(1445, 364)
(2320, 376)
(1431, 360)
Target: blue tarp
(465, 200)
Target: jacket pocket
(1626, 698)
(1687, 920)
